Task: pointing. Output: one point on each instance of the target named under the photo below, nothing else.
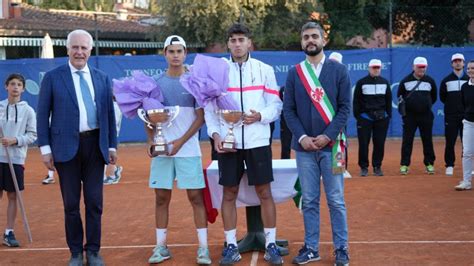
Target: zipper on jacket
(242, 105)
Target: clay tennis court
(393, 220)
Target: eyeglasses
(375, 67)
(422, 67)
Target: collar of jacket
(243, 63)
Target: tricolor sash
(323, 105)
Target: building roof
(36, 22)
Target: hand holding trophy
(141, 94)
(156, 119)
(234, 119)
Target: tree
(87, 5)
(207, 21)
(357, 18)
(280, 29)
(427, 23)
(60, 4)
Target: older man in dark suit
(80, 139)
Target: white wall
(1, 8)
(3, 54)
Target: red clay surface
(393, 220)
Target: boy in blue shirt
(183, 161)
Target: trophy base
(158, 149)
(228, 146)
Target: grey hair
(79, 32)
(312, 25)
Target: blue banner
(396, 64)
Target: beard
(313, 52)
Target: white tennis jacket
(253, 86)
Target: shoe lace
(93, 254)
(227, 250)
(341, 253)
(303, 250)
(273, 250)
(202, 252)
(10, 236)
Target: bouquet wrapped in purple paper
(207, 81)
(137, 91)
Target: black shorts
(6, 181)
(258, 162)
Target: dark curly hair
(238, 28)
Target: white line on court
(121, 182)
(254, 260)
(402, 242)
(445, 242)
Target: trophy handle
(142, 114)
(174, 112)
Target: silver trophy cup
(234, 119)
(157, 119)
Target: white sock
(202, 237)
(270, 235)
(230, 237)
(161, 236)
(51, 174)
(7, 231)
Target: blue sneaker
(306, 255)
(203, 257)
(272, 255)
(10, 240)
(342, 256)
(230, 255)
(160, 254)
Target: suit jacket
(300, 114)
(58, 98)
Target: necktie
(88, 102)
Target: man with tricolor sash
(316, 107)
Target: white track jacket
(253, 86)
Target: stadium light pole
(390, 26)
(96, 29)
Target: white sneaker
(117, 174)
(48, 180)
(449, 170)
(109, 180)
(463, 185)
(347, 174)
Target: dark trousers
(85, 170)
(285, 139)
(423, 122)
(377, 130)
(214, 154)
(452, 129)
